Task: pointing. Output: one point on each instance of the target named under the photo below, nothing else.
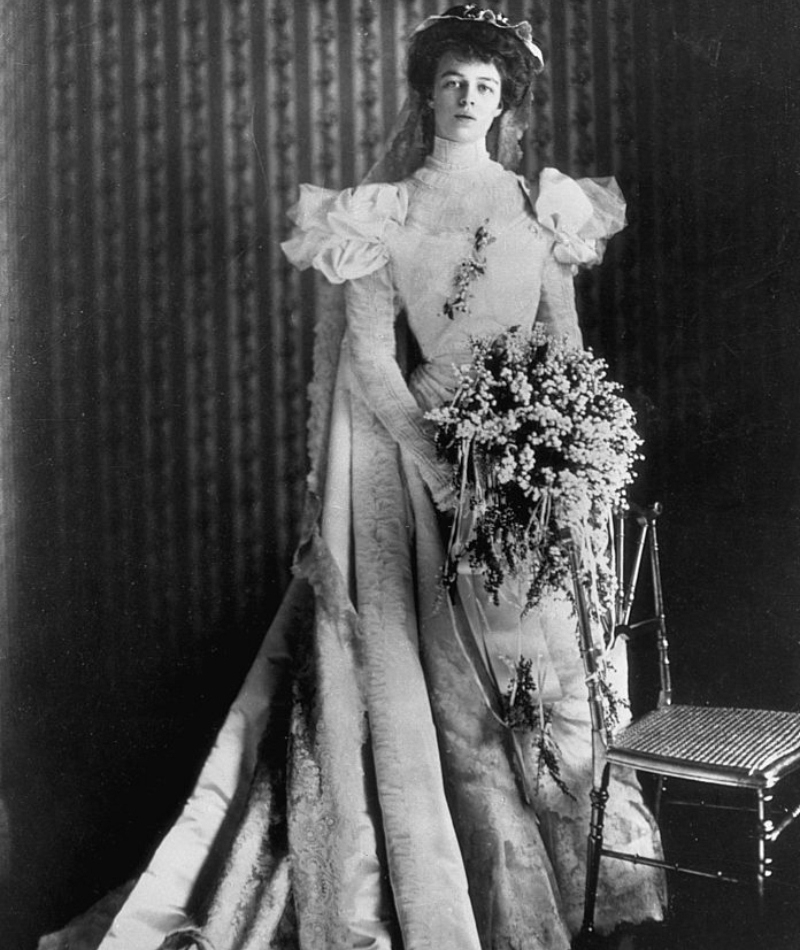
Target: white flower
(540, 438)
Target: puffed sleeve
(370, 323)
(342, 233)
(581, 215)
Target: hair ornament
(472, 12)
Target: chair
(754, 750)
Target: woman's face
(466, 98)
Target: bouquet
(542, 444)
(541, 441)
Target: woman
(394, 816)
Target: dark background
(156, 351)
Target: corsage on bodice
(468, 259)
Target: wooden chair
(754, 750)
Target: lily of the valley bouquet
(542, 445)
(541, 441)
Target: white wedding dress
(392, 815)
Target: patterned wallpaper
(12, 142)
(171, 341)
(160, 345)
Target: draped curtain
(157, 346)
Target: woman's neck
(459, 154)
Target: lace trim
(450, 156)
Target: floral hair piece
(472, 12)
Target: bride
(360, 794)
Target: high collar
(457, 156)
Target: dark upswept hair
(471, 40)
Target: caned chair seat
(750, 748)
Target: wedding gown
(360, 794)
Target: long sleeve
(371, 325)
(557, 313)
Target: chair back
(642, 524)
(633, 541)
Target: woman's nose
(466, 95)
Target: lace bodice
(466, 248)
(470, 258)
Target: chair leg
(599, 798)
(764, 830)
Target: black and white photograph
(399, 475)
